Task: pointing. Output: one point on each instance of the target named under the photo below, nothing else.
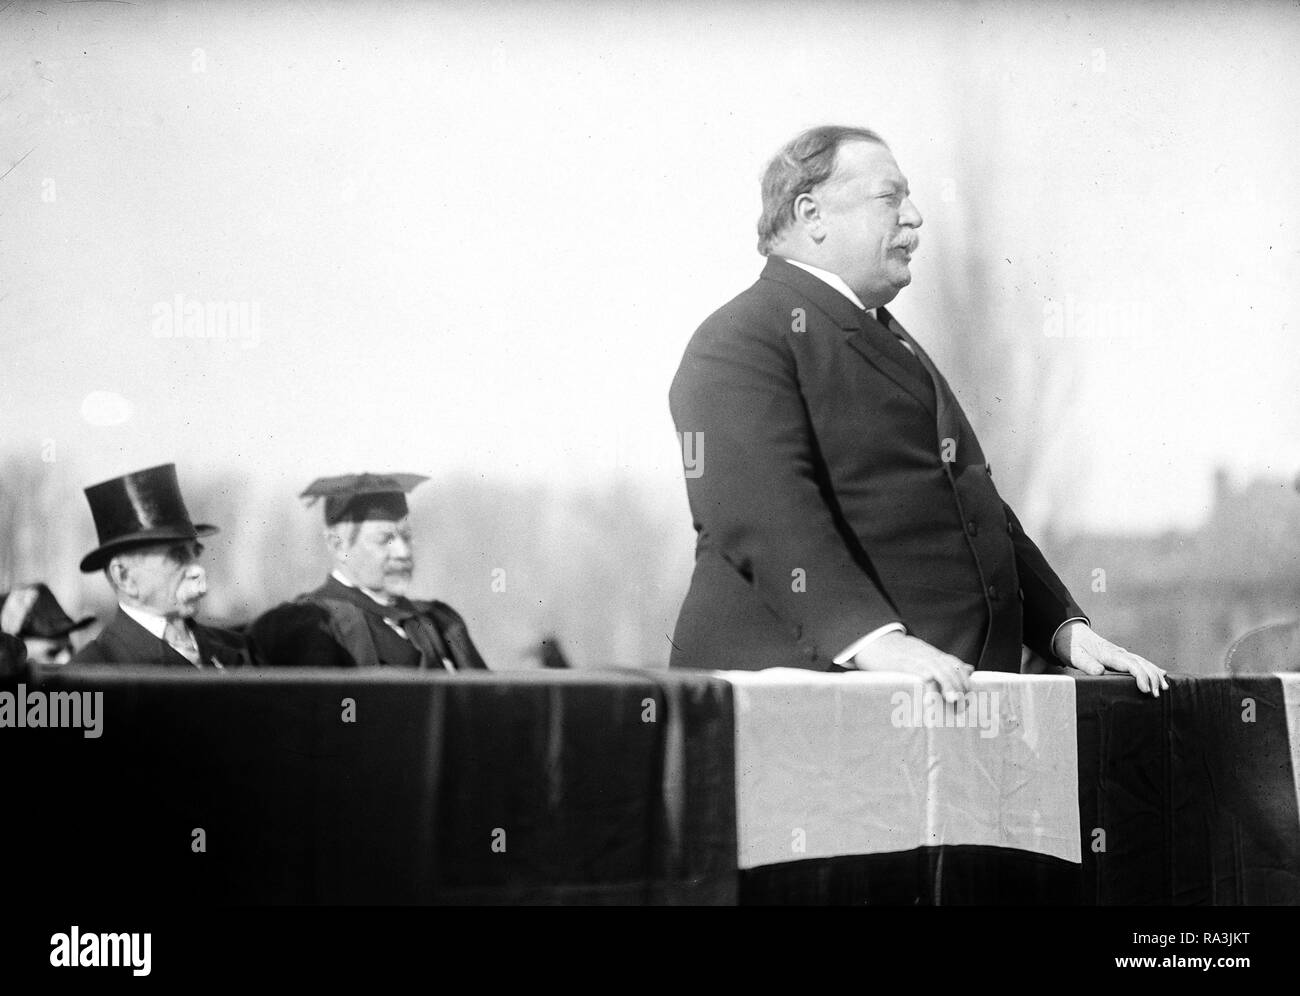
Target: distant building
(1181, 598)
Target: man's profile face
(869, 222)
(167, 580)
(380, 558)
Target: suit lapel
(380, 620)
(125, 641)
(950, 419)
(864, 336)
(870, 341)
(458, 640)
(214, 652)
(456, 636)
(943, 399)
(449, 636)
(207, 652)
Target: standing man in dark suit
(845, 513)
(149, 552)
(360, 616)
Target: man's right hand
(908, 655)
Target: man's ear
(808, 216)
(334, 541)
(119, 573)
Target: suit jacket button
(993, 592)
(972, 527)
(1010, 531)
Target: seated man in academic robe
(361, 616)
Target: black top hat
(46, 618)
(139, 509)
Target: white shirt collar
(154, 623)
(833, 279)
(347, 583)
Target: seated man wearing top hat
(34, 615)
(360, 616)
(149, 551)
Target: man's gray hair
(130, 555)
(804, 162)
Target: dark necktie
(902, 350)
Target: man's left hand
(1078, 646)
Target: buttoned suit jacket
(836, 486)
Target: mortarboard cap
(358, 497)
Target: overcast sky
(476, 237)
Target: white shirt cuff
(851, 651)
(1083, 619)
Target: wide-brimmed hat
(139, 509)
(45, 618)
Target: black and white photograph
(599, 453)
